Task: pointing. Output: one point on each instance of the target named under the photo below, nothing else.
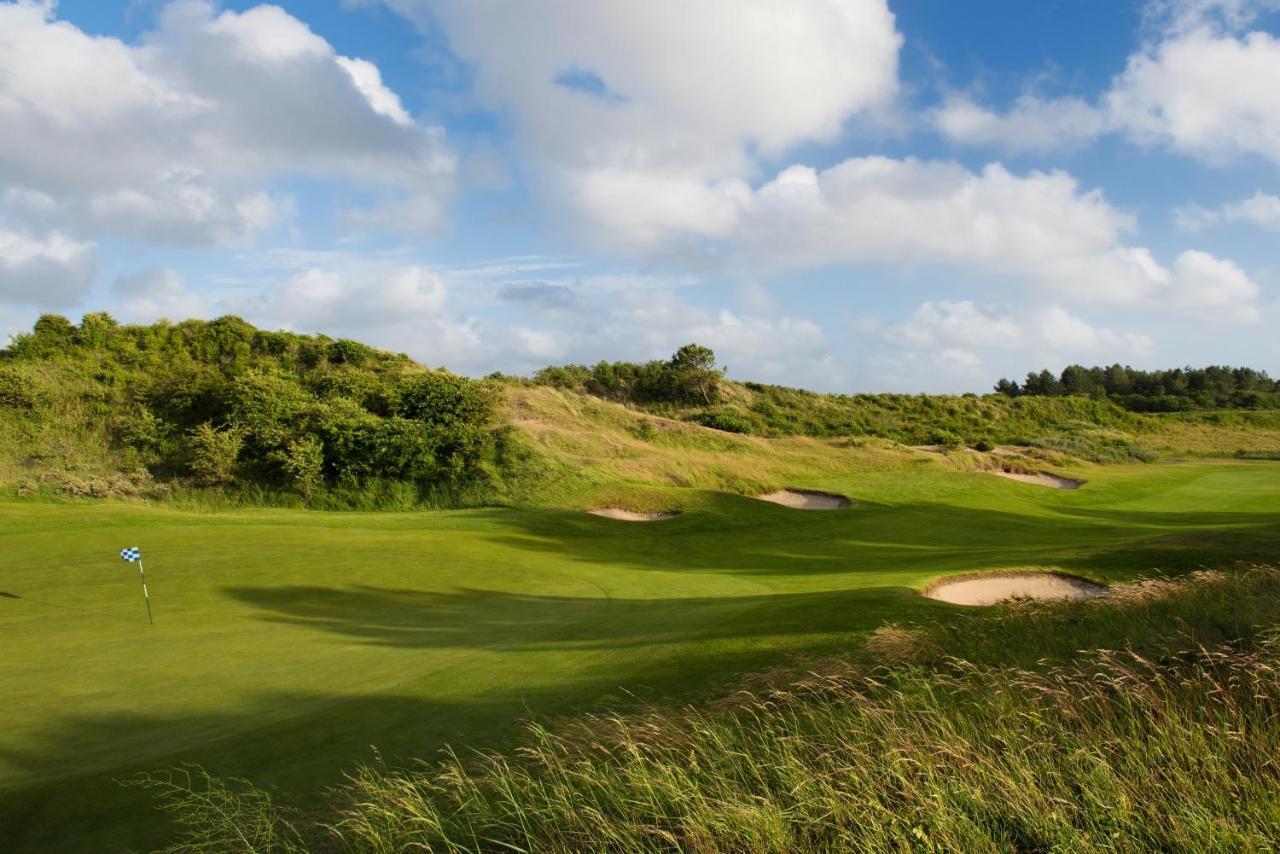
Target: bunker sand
(990, 589)
(632, 515)
(1052, 481)
(804, 499)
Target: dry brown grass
(609, 442)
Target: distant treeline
(1180, 389)
(222, 404)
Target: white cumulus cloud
(1040, 227)
(177, 138)
(644, 119)
(1203, 86)
(1213, 287)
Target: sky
(845, 195)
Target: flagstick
(145, 594)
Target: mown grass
(930, 738)
(288, 643)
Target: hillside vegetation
(1055, 428)
(104, 409)
(219, 412)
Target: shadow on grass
(732, 536)
(566, 655)
(488, 620)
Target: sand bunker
(803, 499)
(1041, 479)
(990, 589)
(632, 515)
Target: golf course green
(289, 645)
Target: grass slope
(288, 643)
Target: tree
(1117, 380)
(1043, 383)
(695, 369)
(1008, 388)
(1075, 380)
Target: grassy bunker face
(990, 589)
(806, 499)
(1052, 481)
(632, 515)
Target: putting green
(287, 644)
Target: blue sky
(851, 195)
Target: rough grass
(625, 449)
(1166, 739)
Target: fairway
(289, 644)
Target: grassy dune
(289, 643)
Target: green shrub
(443, 398)
(643, 430)
(347, 352)
(18, 391)
(945, 438)
(690, 377)
(302, 462)
(140, 430)
(214, 453)
(266, 413)
(728, 420)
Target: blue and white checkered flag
(134, 555)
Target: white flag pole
(145, 594)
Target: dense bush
(214, 453)
(17, 391)
(690, 377)
(223, 404)
(728, 420)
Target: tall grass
(220, 815)
(1167, 740)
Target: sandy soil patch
(632, 515)
(990, 589)
(1041, 479)
(803, 499)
